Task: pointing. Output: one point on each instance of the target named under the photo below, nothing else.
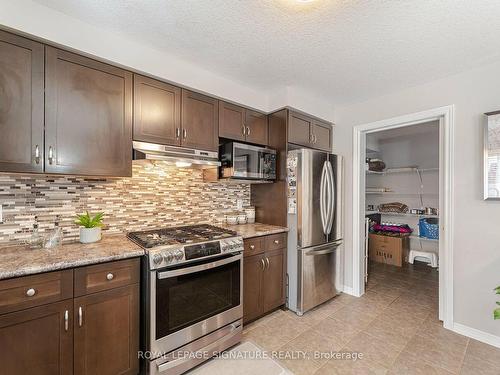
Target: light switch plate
(239, 204)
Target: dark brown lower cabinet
(106, 332)
(94, 333)
(263, 278)
(37, 340)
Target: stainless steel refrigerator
(315, 206)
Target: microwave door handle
(201, 267)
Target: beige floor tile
(334, 304)
(351, 314)
(349, 367)
(336, 329)
(432, 329)
(474, 366)
(314, 343)
(438, 352)
(386, 331)
(374, 349)
(300, 366)
(408, 364)
(312, 317)
(484, 351)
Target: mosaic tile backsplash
(155, 196)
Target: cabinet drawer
(95, 278)
(275, 241)
(253, 246)
(35, 290)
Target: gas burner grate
(179, 235)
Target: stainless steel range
(192, 295)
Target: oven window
(184, 300)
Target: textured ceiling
(342, 50)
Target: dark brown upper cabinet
(306, 131)
(240, 124)
(199, 121)
(88, 116)
(21, 104)
(231, 121)
(157, 111)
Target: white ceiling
(430, 129)
(342, 50)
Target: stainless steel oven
(190, 301)
(242, 161)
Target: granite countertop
(20, 260)
(255, 230)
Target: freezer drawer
(317, 270)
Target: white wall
(476, 222)
(55, 27)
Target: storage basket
(429, 228)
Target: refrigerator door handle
(323, 197)
(331, 195)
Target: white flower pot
(89, 235)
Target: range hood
(180, 156)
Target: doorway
(443, 119)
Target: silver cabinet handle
(252, 247)
(177, 133)
(184, 133)
(248, 130)
(51, 155)
(80, 316)
(110, 276)
(66, 320)
(263, 264)
(267, 262)
(37, 154)
(243, 130)
(30, 292)
(276, 242)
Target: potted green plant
(90, 227)
(496, 312)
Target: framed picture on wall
(492, 156)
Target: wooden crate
(387, 249)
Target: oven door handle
(201, 267)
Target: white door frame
(445, 115)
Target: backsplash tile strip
(156, 195)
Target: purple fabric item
(392, 228)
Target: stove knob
(157, 258)
(169, 257)
(178, 255)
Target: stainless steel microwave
(242, 161)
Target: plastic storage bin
(429, 228)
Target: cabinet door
(88, 116)
(322, 135)
(200, 120)
(231, 121)
(299, 129)
(107, 332)
(157, 111)
(252, 285)
(37, 340)
(274, 280)
(21, 104)
(257, 128)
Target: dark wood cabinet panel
(157, 111)
(299, 129)
(322, 136)
(274, 276)
(257, 128)
(231, 121)
(88, 116)
(253, 268)
(106, 337)
(38, 340)
(200, 120)
(21, 104)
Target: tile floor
(394, 325)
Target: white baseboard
(476, 334)
(348, 290)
